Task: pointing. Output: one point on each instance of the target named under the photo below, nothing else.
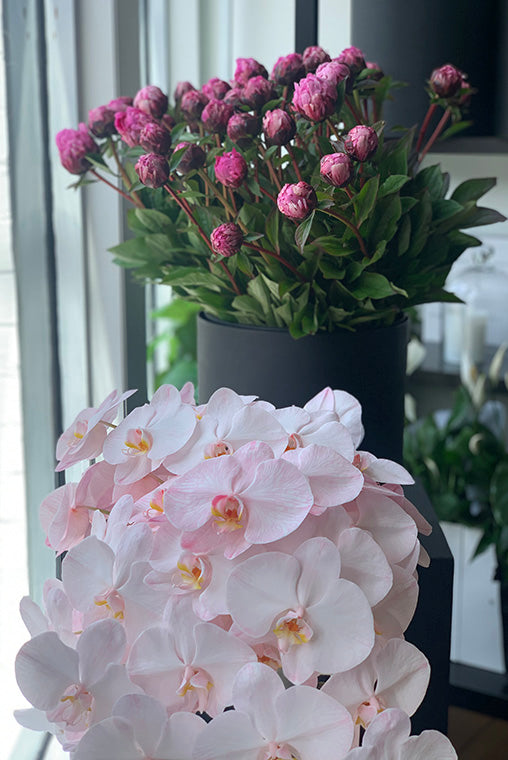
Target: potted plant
(210, 564)
(461, 458)
(284, 204)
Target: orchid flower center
(79, 432)
(368, 710)
(113, 602)
(357, 461)
(198, 681)
(294, 442)
(137, 441)
(75, 708)
(292, 629)
(228, 512)
(218, 449)
(276, 751)
(192, 574)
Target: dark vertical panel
(306, 24)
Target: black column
(306, 24)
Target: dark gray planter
(269, 363)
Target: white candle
(475, 326)
(453, 332)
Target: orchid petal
(100, 645)
(392, 721)
(147, 717)
(430, 745)
(230, 736)
(255, 691)
(364, 563)
(113, 735)
(87, 570)
(320, 562)
(45, 668)
(403, 674)
(179, 737)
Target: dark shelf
(478, 689)
(480, 145)
(435, 370)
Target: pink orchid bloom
(84, 438)
(382, 470)
(333, 480)
(75, 688)
(321, 427)
(363, 563)
(59, 614)
(272, 723)
(148, 434)
(396, 675)
(139, 729)
(387, 738)
(395, 611)
(225, 424)
(321, 623)
(201, 576)
(63, 519)
(101, 582)
(346, 407)
(188, 665)
(239, 500)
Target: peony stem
(425, 124)
(277, 256)
(136, 199)
(214, 189)
(351, 226)
(273, 174)
(295, 164)
(110, 184)
(334, 130)
(436, 133)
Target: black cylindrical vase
(269, 363)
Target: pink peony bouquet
(228, 555)
(285, 199)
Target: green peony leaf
(472, 189)
(365, 200)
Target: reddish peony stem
(110, 184)
(277, 256)
(294, 162)
(351, 226)
(425, 124)
(436, 133)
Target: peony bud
(288, 69)
(257, 92)
(215, 116)
(247, 68)
(129, 124)
(230, 168)
(193, 158)
(375, 70)
(465, 92)
(168, 121)
(180, 90)
(242, 127)
(336, 168)
(278, 127)
(192, 104)
(446, 81)
(73, 145)
(352, 57)
(101, 121)
(361, 142)
(234, 97)
(155, 139)
(297, 201)
(313, 56)
(120, 104)
(227, 239)
(314, 98)
(333, 72)
(152, 101)
(152, 170)
(216, 88)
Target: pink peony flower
(257, 92)
(167, 121)
(227, 239)
(193, 158)
(247, 68)
(73, 145)
(192, 104)
(129, 124)
(155, 139)
(152, 101)
(314, 98)
(180, 90)
(375, 70)
(446, 81)
(231, 168)
(296, 201)
(279, 127)
(152, 170)
(361, 142)
(101, 121)
(352, 57)
(337, 169)
(215, 116)
(242, 127)
(333, 72)
(234, 97)
(313, 56)
(216, 88)
(120, 104)
(288, 69)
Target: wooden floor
(476, 736)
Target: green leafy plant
(177, 341)
(462, 460)
(286, 201)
